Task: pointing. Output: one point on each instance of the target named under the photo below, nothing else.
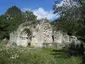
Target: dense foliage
(72, 21)
(72, 18)
(12, 19)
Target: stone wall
(63, 40)
(40, 35)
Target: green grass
(21, 55)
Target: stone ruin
(40, 34)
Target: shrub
(76, 49)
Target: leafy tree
(29, 16)
(12, 19)
(81, 33)
(13, 11)
(69, 20)
(3, 27)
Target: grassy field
(21, 55)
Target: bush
(76, 49)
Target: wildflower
(12, 57)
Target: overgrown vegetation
(72, 18)
(71, 21)
(21, 55)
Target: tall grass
(21, 55)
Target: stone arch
(26, 36)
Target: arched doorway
(26, 36)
